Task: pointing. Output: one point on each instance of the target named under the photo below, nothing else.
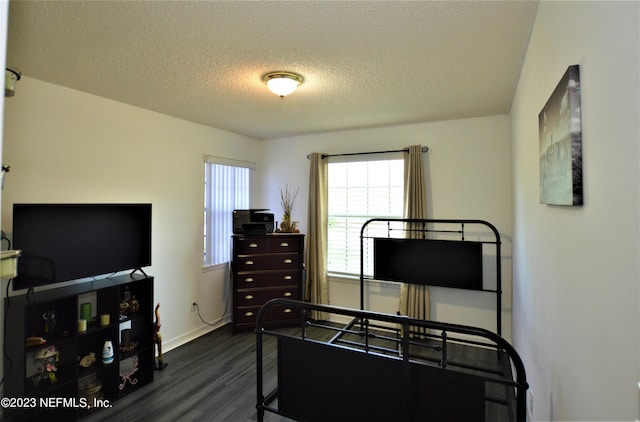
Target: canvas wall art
(561, 143)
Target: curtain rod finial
(424, 149)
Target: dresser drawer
(246, 246)
(281, 243)
(260, 279)
(258, 297)
(267, 261)
(246, 315)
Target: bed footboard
(373, 369)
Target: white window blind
(359, 191)
(227, 187)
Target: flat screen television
(445, 263)
(62, 242)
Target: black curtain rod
(423, 149)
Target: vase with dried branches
(287, 199)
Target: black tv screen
(62, 242)
(432, 262)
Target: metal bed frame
(320, 380)
(415, 355)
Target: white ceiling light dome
(282, 83)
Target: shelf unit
(121, 312)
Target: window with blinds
(358, 191)
(227, 187)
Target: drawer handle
(248, 313)
(287, 294)
(248, 297)
(288, 277)
(287, 311)
(248, 280)
(288, 261)
(253, 245)
(284, 244)
(248, 262)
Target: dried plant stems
(288, 198)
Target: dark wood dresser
(266, 267)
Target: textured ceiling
(365, 64)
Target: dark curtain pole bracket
(423, 149)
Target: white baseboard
(192, 335)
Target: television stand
(55, 339)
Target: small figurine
(46, 361)
(157, 339)
(134, 305)
(124, 307)
(49, 321)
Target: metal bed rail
(363, 327)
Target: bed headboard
(436, 252)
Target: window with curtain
(358, 191)
(227, 187)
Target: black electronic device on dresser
(265, 267)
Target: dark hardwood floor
(213, 378)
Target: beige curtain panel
(414, 298)
(317, 285)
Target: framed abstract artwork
(560, 135)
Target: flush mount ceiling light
(282, 83)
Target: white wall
(468, 172)
(576, 268)
(68, 146)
